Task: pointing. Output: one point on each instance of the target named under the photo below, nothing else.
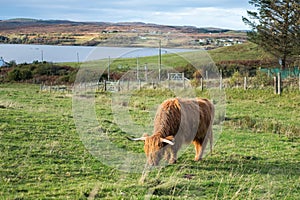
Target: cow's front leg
(167, 155)
(173, 155)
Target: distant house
(2, 62)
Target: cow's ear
(168, 140)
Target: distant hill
(129, 34)
(25, 22)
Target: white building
(2, 62)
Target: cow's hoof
(172, 161)
(197, 159)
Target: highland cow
(177, 122)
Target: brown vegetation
(100, 33)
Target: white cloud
(214, 13)
(200, 17)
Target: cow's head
(155, 147)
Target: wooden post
(245, 83)
(279, 84)
(201, 84)
(108, 70)
(168, 80)
(137, 68)
(221, 80)
(105, 87)
(299, 82)
(146, 73)
(140, 84)
(206, 72)
(183, 81)
(275, 85)
(119, 86)
(50, 87)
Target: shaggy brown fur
(181, 121)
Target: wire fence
(277, 81)
(292, 72)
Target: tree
(276, 27)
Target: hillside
(22, 24)
(247, 51)
(63, 32)
(245, 58)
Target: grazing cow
(177, 122)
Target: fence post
(299, 81)
(50, 87)
(245, 83)
(118, 86)
(183, 81)
(275, 84)
(221, 80)
(146, 73)
(105, 88)
(279, 84)
(140, 84)
(168, 80)
(201, 84)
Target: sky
(199, 13)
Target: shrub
(236, 79)
(196, 78)
(262, 79)
(18, 74)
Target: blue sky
(200, 13)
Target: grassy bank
(42, 156)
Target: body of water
(29, 53)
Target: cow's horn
(167, 141)
(136, 139)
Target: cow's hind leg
(204, 144)
(209, 136)
(198, 148)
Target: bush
(236, 79)
(188, 70)
(38, 72)
(262, 79)
(19, 74)
(195, 82)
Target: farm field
(257, 155)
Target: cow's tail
(209, 133)
(210, 129)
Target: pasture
(257, 155)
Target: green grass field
(247, 51)
(257, 155)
